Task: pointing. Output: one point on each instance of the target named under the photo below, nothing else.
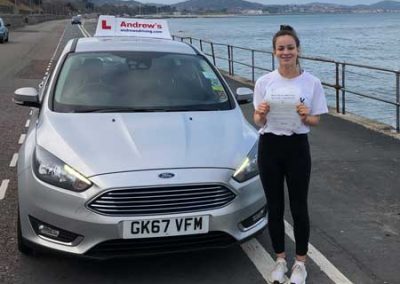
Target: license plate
(152, 228)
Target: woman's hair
(286, 30)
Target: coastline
(240, 15)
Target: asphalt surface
(354, 197)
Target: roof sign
(112, 26)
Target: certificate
(283, 114)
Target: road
(354, 199)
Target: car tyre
(1, 40)
(7, 38)
(22, 247)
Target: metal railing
(340, 74)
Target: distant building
(252, 12)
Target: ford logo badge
(166, 175)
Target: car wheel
(1, 40)
(7, 38)
(22, 247)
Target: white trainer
(299, 273)
(278, 272)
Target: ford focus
(136, 146)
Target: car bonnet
(101, 143)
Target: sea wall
(17, 21)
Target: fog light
(48, 231)
(253, 219)
(52, 233)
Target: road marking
(326, 266)
(84, 31)
(27, 123)
(58, 45)
(3, 188)
(264, 262)
(22, 138)
(260, 258)
(14, 160)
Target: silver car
(4, 33)
(137, 147)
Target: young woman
(287, 102)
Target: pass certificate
(283, 114)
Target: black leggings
(280, 158)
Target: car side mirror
(244, 95)
(26, 97)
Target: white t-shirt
(305, 88)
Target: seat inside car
(92, 70)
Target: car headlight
(52, 170)
(248, 167)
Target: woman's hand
(260, 114)
(303, 111)
(306, 118)
(262, 109)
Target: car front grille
(162, 200)
(136, 247)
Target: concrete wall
(17, 21)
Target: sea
(367, 39)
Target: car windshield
(138, 81)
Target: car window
(138, 80)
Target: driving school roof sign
(112, 26)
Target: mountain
(117, 2)
(387, 5)
(228, 6)
(211, 5)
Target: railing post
(201, 45)
(343, 88)
(398, 101)
(229, 59)
(273, 61)
(337, 87)
(190, 39)
(213, 54)
(252, 65)
(232, 61)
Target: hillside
(116, 2)
(387, 5)
(217, 5)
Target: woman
(287, 102)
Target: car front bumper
(69, 211)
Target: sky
(281, 2)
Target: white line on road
(58, 45)
(84, 31)
(27, 123)
(3, 188)
(326, 266)
(14, 160)
(260, 258)
(264, 262)
(22, 138)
